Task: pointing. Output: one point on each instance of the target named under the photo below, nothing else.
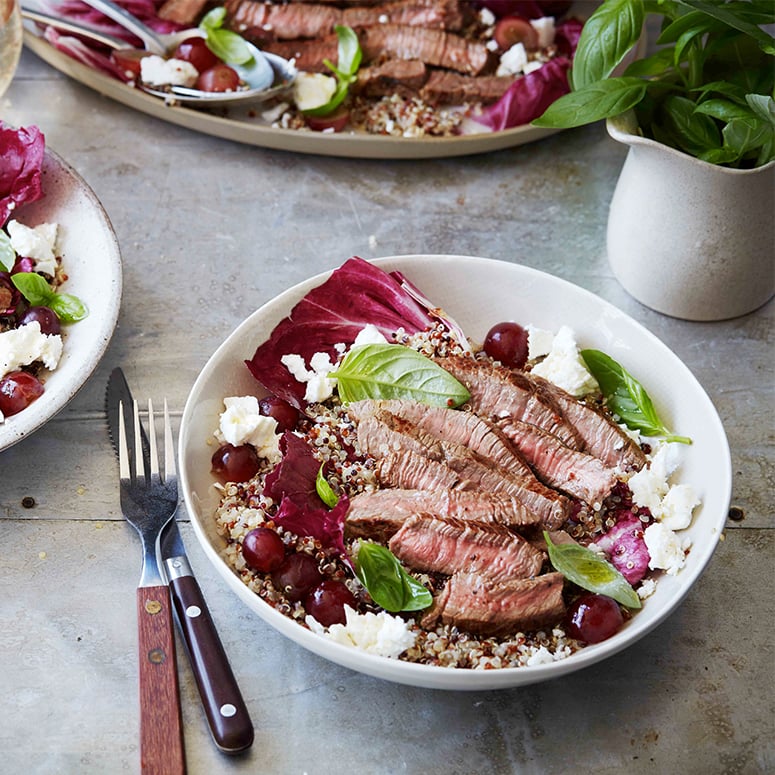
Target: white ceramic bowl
(479, 292)
(92, 261)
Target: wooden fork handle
(161, 728)
(226, 712)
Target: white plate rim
(76, 366)
(463, 679)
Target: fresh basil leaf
(69, 308)
(763, 106)
(214, 19)
(590, 571)
(723, 110)
(730, 91)
(593, 103)
(735, 20)
(7, 253)
(349, 60)
(626, 396)
(229, 47)
(653, 65)
(382, 371)
(385, 579)
(34, 288)
(694, 132)
(324, 490)
(608, 35)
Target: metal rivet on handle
(152, 606)
(193, 611)
(228, 710)
(156, 656)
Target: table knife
(225, 709)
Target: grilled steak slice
(383, 433)
(410, 471)
(309, 55)
(497, 391)
(291, 21)
(569, 470)
(601, 436)
(434, 47)
(452, 545)
(445, 87)
(453, 425)
(185, 12)
(381, 513)
(396, 76)
(482, 606)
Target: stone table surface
(210, 229)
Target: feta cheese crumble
(158, 71)
(563, 365)
(242, 423)
(382, 634)
(27, 344)
(319, 385)
(545, 29)
(37, 243)
(312, 90)
(513, 61)
(665, 548)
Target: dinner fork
(148, 501)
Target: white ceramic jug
(690, 239)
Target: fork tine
(123, 449)
(154, 452)
(139, 457)
(170, 472)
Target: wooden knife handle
(161, 728)
(226, 712)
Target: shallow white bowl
(479, 292)
(91, 258)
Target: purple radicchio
(292, 485)
(626, 549)
(21, 160)
(333, 313)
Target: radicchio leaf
(292, 484)
(83, 52)
(21, 160)
(528, 97)
(357, 293)
(626, 549)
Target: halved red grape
(507, 343)
(45, 316)
(514, 29)
(17, 391)
(219, 78)
(195, 51)
(297, 575)
(128, 60)
(263, 550)
(326, 602)
(235, 464)
(285, 415)
(334, 122)
(593, 618)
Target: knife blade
(224, 706)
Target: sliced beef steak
(309, 55)
(482, 606)
(452, 545)
(452, 425)
(396, 76)
(286, 22)
(185, 12)
(380, 514)
(383, 433)
(445, 87)
(601, 436)
(497, 391)
(580, 475)
(412, 471)
(434, 47)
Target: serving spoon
(266, 75)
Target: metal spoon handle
(151, 40)
(75, 27)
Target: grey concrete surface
(210, 230)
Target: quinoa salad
(357, 512)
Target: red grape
(218, 78)
(128, 60)
(326, 602)
(235, 464)
(507, 343)
(45, 316)
(263, 550)
(195, 51)
(593, 618)
(286, 415)
(514, 29)
(297, 576)
(335, 121)
(17, 391)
